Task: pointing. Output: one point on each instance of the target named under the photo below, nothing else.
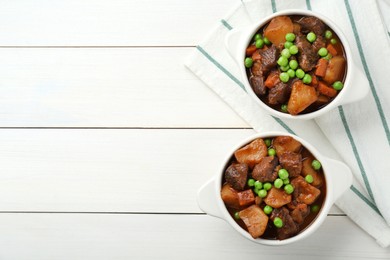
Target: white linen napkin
(358, 133)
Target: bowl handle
(341, 177)
(207, 199)
(359, 86)
(232, 43)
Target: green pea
(237, 215)
(259, 43)
(299, 73)
(306, 79)
(287, 45)
(293, 64)
(309, 178)
(314, 208)
(316, 165)
(278, 183)
(328, 34)
(291, 73)
(284, 68)
(248, 62)
(284, 77)
(267, 142)
(251, 182)
(267, 186)
(278, 222)
(328, 57)
(333, 41)
(288, 188)
(293, 49)
(257, 36)
(262, 193)
(268, 209)
(290, 37)
(311, 37)
(286, 53)
(286, 181)
(271, 152)
(323, 52)
(283, 174)
(283, 108)
(266, 41)
(338, 85)
(282, 61)
(258, 185)
(256, 191)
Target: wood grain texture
(102, 236)
(110, 170)
(108, 23)
(106, 87)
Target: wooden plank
(112, 87)
(106, 170)
(95, 236)
(109, 23)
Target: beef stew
(274, 194)
(296, 64)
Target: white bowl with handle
(338, 179)
(356, 85)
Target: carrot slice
(331, 49)
(272, 79)
(256, 56)
(321, 67)
(314, 81)
(250, 50)
(325, 90)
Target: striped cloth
(357, 133)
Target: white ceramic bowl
(338, 178)
(355, 86)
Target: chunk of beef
(269, 57)
(257, 84)
(277, 198)
(252, 153)
(289, 228)
(303, 191)
(292, 162)
(236, 175)
(255, 220)
(307, 57)
(279, 94)
(300, 213)
(311, 24)
(284, 144)
(246, 197)
(319, 43)
(230, 196)
(264, 170)
(265, 60)
(257, 69)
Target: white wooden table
(105, 138)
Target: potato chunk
(303, 191)
(255, 220)
(301, 97)
(278, 28)
(307, 169)
(230, 196)
(252, 153)
(277, 198)
(246, 197)
(284, 144)
(335, 70)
